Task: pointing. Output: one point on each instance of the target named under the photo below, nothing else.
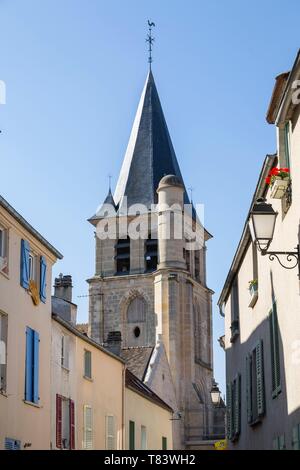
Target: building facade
(26, 261)
(87, 383)
(154, 291)
(262, 324)
(148, 420)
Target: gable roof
(137, 359)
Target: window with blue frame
(32, 366)
(31, 269)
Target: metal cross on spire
(150, 39)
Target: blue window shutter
(24, 272)
(36, 345)
(28, 365)
(43, 276)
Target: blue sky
(74, 71)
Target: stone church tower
(152, 289)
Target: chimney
(63, 287)
(114, 341)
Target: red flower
(274, 171)
(268, 180)
(285, 170)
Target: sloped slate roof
(135, 384)
(137, 359)
(150, 154)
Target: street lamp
(215, 394)
(262, 224)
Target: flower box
(279, 186)
(253, 289)
(278, 179)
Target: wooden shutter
(88, 364)
(88, 427)
(24, 269)
(296, 437)
(36, 347)
(260, 386)
(287, 144)
(131, 435)
(275, 355)
(143, 437)
(164, 443)
(29, 365)
(58, 421)
(72, 424)
(229, 410)
(110, 432)
(249, 388)
(237, 406)
(43, 279)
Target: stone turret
(170, 223)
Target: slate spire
(150, 154)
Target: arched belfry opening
(122, 256)
(151, 254)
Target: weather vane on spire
(150, 39)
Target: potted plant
(278, 180)
(253, 289)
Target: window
(65, 423)
(187, 258)
(32, 366)
(131, 435)
(234, 408)
(296, 437)
(87, 364)
(32, 267)
(235, 314)
(164, 443)
(3, 351)
(65, 351)
(275, 356)
(123, 255)
(32, 270)
(151, 254)
(197, 265)
(110, 433)
(197, 331)
(255, 388)
(87, 427)
(3, 250)
(143, 438)
(279, 443)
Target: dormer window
(123, 256)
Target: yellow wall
(144, 412)
(19, 420)
(104, 393)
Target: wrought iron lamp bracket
(292, 257)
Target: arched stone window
(136, 312)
